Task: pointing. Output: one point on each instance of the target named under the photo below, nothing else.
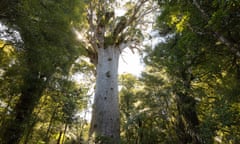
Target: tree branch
(232, 46)
(4, 45)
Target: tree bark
(187, 121)
(105, 119)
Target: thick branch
(136, 11)
(88, 44)
(205, 15)
(134, 20)
(91, 33)
(233, 47)
(4, 45)
(125, 22)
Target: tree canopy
(55, 55)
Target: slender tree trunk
(105, 120)
(140, 131)
(50, 125)
(59, 138)
(64, 132)
(29, 132)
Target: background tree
(49, 45)
(56, 115)
(146, 108)
(194, 65)
(199, 53)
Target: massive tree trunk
(107, 35)
(105, 120)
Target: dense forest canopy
(188, 92)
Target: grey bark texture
(105, 119)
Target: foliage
(188, 92)
(49, 48)
(198, 62)
(145, 111)
(190, 85)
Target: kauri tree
(107, 35)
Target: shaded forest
(188, 93)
